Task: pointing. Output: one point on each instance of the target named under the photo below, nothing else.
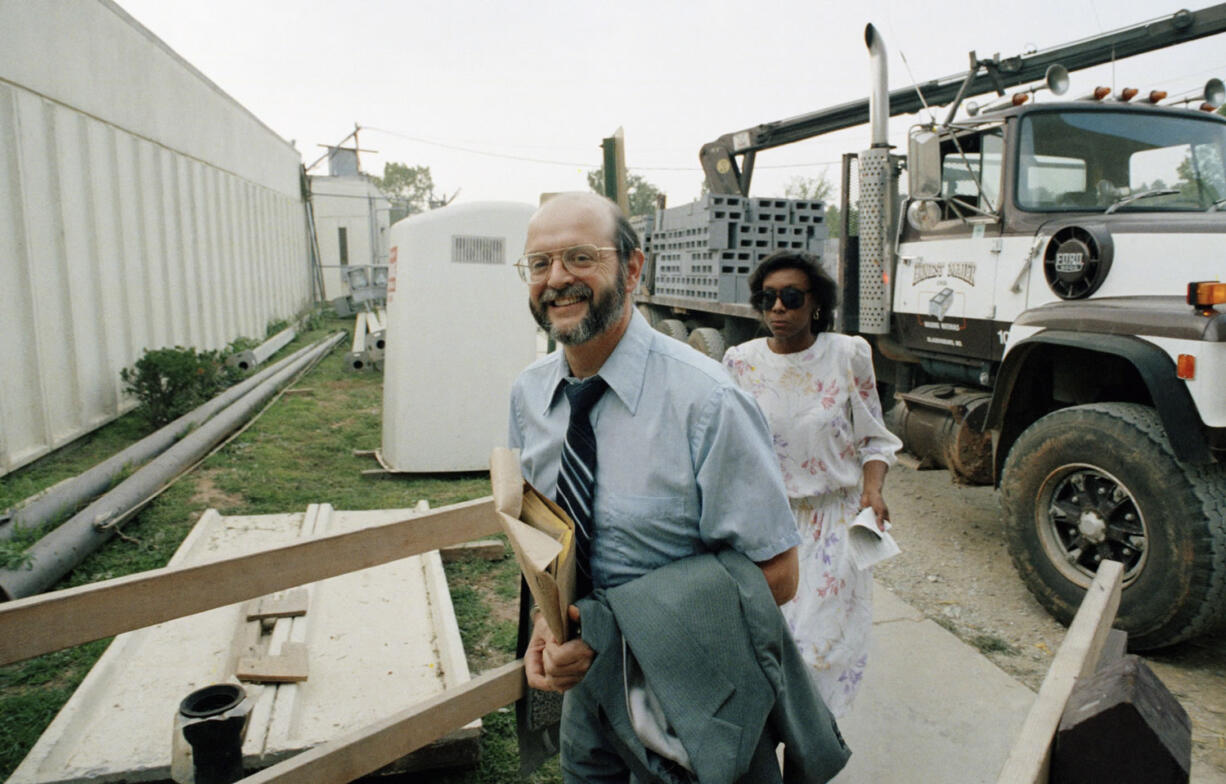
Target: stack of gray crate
(706, 249)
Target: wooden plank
(1030, 758)
(246, 643)
(370, 748)
(1115, 647)
(288, 666)
(49, 622)
(484, 550)
(289, 605)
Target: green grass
(71, 459)
(300, 451)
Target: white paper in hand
(869, 544)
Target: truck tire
(651, 314)
(1101, 481)
(708, 341)
(674, 329)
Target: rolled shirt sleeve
(744, 504)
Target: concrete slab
(931, 708)
(378, 641)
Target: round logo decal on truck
(1076, 261)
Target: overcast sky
(505, 100)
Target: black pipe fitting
(214, 722)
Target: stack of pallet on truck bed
(706, 249)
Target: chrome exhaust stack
(878, 202)
(879, 98)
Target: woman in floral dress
(819, 394)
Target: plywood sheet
(378, 641)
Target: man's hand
(554, 666)
(782, 574)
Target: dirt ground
(955, 568)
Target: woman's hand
(877, 502)
(874, 481)
(553, 666)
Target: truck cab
(1108, 182)
(1048, 291)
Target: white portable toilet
(458, 333)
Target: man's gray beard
(602, 312)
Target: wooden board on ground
(1030, 759)
(379, 641)
(288, 666)
(484, 550)
(282, 605)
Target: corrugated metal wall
(141, 223)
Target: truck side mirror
(924, 164)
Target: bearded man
(685, 468)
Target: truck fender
(1168, 393)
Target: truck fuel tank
(940, 424)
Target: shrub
(313, 319)
(239, 345)
(169, 382)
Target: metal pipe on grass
(58, 552)
(246, 360)
(71, 494)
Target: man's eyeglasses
(534, 267)
(791, 298)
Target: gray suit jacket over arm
(716, 651)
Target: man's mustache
(573, 290)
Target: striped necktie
(577, 475)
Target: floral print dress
(826, 418)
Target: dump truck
(1042, 302)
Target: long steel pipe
(71, 494)
(879, 98)
(246, 360)
(58, 552)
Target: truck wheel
(674, 329)
(651, 314)
(1100, 481)
(709, 342)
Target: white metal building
(140, 207)
(351, 224)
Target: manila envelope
(542, 536)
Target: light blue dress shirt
(684, 463)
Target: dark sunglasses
(765, 299)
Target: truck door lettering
(963, 270)
(925, 270)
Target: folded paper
(869, 545)
(542, 536)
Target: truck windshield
(1090, 160)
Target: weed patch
(990, 643)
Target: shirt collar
(624, 371)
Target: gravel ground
(955, 569)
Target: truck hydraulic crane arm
(725, 175)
